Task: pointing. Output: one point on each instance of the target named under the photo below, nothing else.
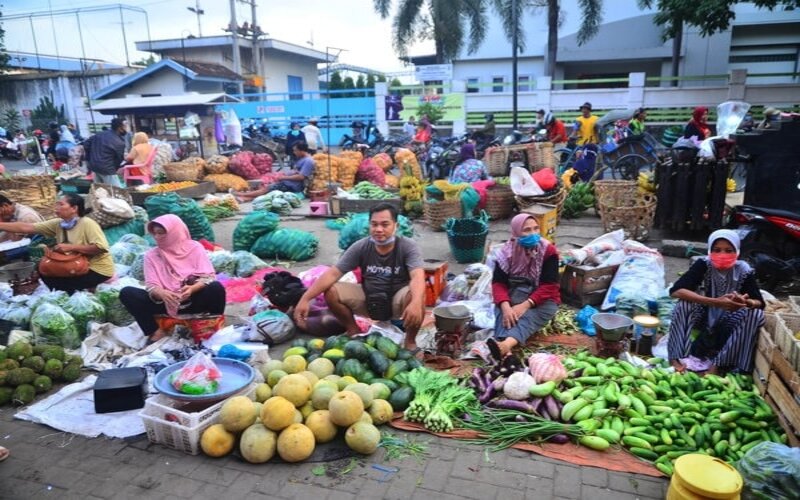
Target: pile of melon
(301, 405)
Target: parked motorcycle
(9, 150)
(443, 155)
(37, 149)
(770, 242)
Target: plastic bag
(124, 253)
(52, 325)
(136, 270)
(640, 275)
(198, 376)
(46, 296)
(309, 277)
(257, 304)
(253, 226)
(589, 252)
(19, 314)
(286, 243)
(456, 289)
(223, 262)
(523, 184)
(584, 320)
(272, 327)
(108, 295)
(770, 470)
(357, 227)
(247, 263)
(84, 307)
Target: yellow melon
(237, 414)
(296, 388)
(366, 418)
(296, 443)
(275, 376)
(381, 411)
(294, 364)
(270, 366)
(363, 391)
(363, 438)
(321, 395)
(216, 441)
(312, 378)
(277, 413)
(320, 424)
(345, 381)
(321, 367)
(346, 408)
(258, 406)
(380, 391)
(306, 409)
(257, 444)
(263, 392)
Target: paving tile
(529, 464)
(597, 493)
(650, 487)
(373, 489)
(539, 487)
(510, 494)
(467, 464)
(435, 475)
(567, 481)
(174, 484)
(303, 491)
(499, 477)
(209, 472)
(424, 494)
(594, 476)
(470, 489)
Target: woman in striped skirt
(719, 310)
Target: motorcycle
(443, 155)
(9, 150)
(37, 148)
(770, 242)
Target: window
(472, 86)
(498, 82)
(523, 84)
(295, 87)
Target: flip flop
(4, 453)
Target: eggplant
(552, 406)
(536, 404)
(511, 404)
(498, 383)
(477, 380)
(544, 413)
(558, 439)
(487, 394)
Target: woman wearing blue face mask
(525, 285)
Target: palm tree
(591, 17)
(446, 22)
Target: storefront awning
(151, 104)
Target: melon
(296, 388)
(258, 407)
(321, 367)
(345, 381)
(263, 392)
(237, 414)
(312, 378)
(257, 444)
(216, 441)
(306, 409)
(363, 438)
(321, 396)
(296, 443)
(320, 424)
(298, 416)
(333, 378)
(365, 417)
(326, 383)
(363, 391)
(277, 413)
(270, 366)
(380, 411)
(380, 391)
(294, 364)
(275, 376)
(316, 344)
(346, 408)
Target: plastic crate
(166, 423)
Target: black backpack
(283, 289)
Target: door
(295, 87)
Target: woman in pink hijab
(524, 286)
(179, 278)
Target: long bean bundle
(505, 428)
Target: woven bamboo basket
(183, 171)
(36, 191)
(499, 201)
(613, 189)
(438, 211)
(540, 155)
(555, 198)
(105, 219)
(633, 214)
(497, 158)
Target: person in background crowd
(54, 134)
(636, 125)
(139, 152)
(487, 132)
(179, 279)
(539, 124)
(11, 211)
(423, 134)
(586, 126)
(698, 125)
(106, 152)
(469, 169)
(720, 323)
(313, 136)
(75, 132)
(556, 131)
(65, 144)
(73, 232)
(393, 279)
(294, 136)
(525, 286)
(295, 181)
(410, 127)
(770, 115)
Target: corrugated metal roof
(163, 101)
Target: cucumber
(594, 442)
(665, 468)
(542, 390)
(635, 442)
(609, 435)
(644, 453)
(570, 409)
(584, 413)
(647, 437)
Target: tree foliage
(361, 82)
(10, 119)
(46, 112)
(336, 82)
(146, 61)
(447, 22)
(434, 112)
(370, 81)
(4, 57)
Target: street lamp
(198, 12)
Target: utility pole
(237, 63)
(198, 12)
(514, 77)
(256, 48)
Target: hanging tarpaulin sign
(433, 72)
(451, 104)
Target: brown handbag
(63, 265)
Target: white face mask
(385, 243)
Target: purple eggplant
(498, 383)
(552, 406)
(487, 394)
(510, 404)
(558, 439)
(536, 404)
(544, 413)
(477, 380)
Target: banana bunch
(410, 186)
(646, 182)
(579, 199)
(730, 185)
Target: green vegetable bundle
(223, 262)
(52, 325)
(579, 199)
(84, 307)
(286, 243)
(369, 191)
(253, 226)
(116, 313)
(438, 399)
(279, 202)
(217, 212)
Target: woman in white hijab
(720, 309)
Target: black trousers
(210, 299)
(72, 285)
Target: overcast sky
(349, 24)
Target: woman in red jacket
(525, 285)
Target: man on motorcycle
(313, 136)
(556, 131)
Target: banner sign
(451, 104)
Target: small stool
(318, 208)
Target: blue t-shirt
(304, 166)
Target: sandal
(4, 453)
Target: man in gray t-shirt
(392, 279)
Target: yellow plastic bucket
(701, 477)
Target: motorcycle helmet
(52, 125)
(357, 124)
(549, 119)
(489, 117)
